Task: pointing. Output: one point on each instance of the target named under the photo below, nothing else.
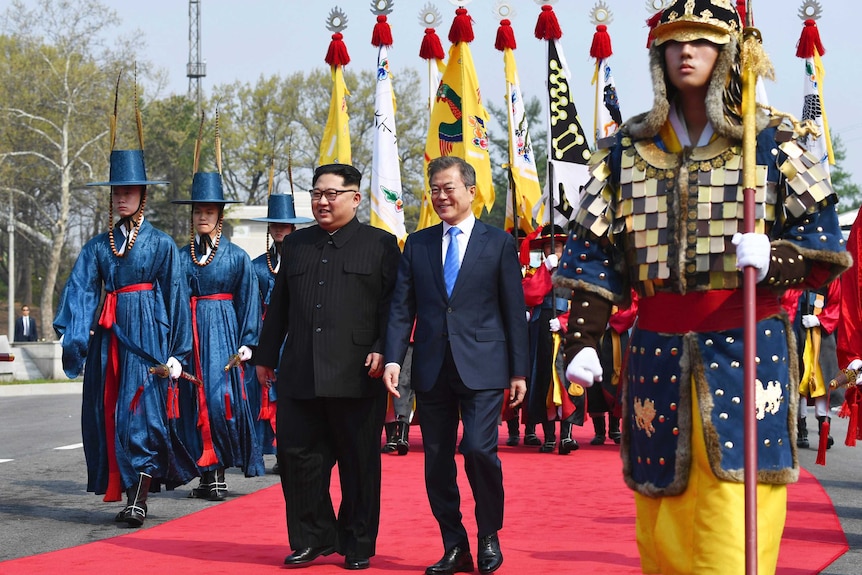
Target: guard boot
(567, 442)
(391, 438)
(550, 438)
(599, 427)
(402, 442)
(530, 437)
(801, 433)
(514, 432)
(218, 488)
(202, 491)
(614, 429)
(820, 421)
(136, 502)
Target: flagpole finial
(382, 7)
(382, 33)
(431, 48)
(810, 10)
(601, 16)
(504, 10)
(337, 54)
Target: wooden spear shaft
(749, 163)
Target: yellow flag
(335, 145)
(524, 184)
(459, 128)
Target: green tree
(849, 193)
(52, 109)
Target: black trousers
(313, 435)
(439, 411)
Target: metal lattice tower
(196, 68)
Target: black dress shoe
(488, 557)
(308, 554)
(455, 560)
(568, 445)
(355, 563)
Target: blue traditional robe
(152, 325)
(262, 426)
(223, 325)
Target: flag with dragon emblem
(387, 203)
(459, 125)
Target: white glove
(174, 367)
(809, 321)
(528, 315)
(856, 365)
(752, 250)
(244, 353)
(551, 262)
(585, 368)
(554, 324)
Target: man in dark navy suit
(25, 327)
(461, 281)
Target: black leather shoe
(455, 560)
(308, 554)
(354, 563)
(488, 557)
(568, 445)
(532, 439)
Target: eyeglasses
(448, 190)
(331, 194)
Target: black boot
(820, 419)
(567, 442)
(550, 438)
(391, 437)
(403, 437)
(614, 428)
(530, 437)
(514, 432)
(599, 426)
(136, 502)
(218, 488)
(202, 491)
(801, 433)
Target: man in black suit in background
(25, 326)
(331, 299)
(461, 281)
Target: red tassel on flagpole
(382, 34)
(548, 27)
(809, 41)
(136, 400)
(462, 27)
(431, 48)
(601, 47)
(822, 446)
(505, 36)
(337, 54)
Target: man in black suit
(331, 299)
(463, 287)
(25, 326)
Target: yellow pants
(702, 530)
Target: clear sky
(244, 39)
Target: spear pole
(749, 163)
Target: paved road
(44, 505)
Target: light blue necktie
(451, 265)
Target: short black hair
(468, 173)
(351, 175)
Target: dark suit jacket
(331, 298)
(19, 330)
(483, 321)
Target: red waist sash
(114, 490)
(714, 310)
(208, 456)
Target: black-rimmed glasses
(330, 194)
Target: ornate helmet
(718, 22)
(687, 20)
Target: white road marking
(6, 460)
(73, 446)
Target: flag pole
(750, 43)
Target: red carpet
(563, 515)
